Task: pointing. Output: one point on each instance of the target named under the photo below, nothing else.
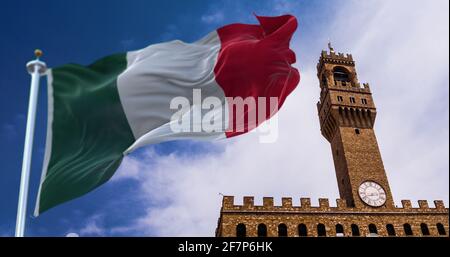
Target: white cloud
(92, 227)
(215, 17)
(401, 48)
(131, 167)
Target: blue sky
(83, 31)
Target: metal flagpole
(36, 68)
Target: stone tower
(365, 208)
(347, 115)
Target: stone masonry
(366, 207)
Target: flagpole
(36, 69)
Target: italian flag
(99, 113)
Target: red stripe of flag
(255, 61)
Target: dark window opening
(302, 230)
(321, 231)
(352, 100)
(262, 230)
(390, 230)
(341, 74)
(364, 101)
(357, 131)
(408, 229)
(241, 230)
(441, 229)
(355, 230)
(339, 98)
(282, 230)
(425, 230)
(339, 229)
(373, 229)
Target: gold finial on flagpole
(38, 53)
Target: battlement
(351, 87)
(334, 55)
(337, 58)
(228, 205)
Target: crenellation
(305, 203)
(350, 87)
(268, 202)
(423, 204)
(406, 204)
(248, 202)
(341, 204)
(439, 204)
(286, 202)
(333, 56)
(228, 202)
(324, 203)
(364, 87)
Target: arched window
(425, 230)
(339, 230)
(262, 230)
(241, 230)
(390, 230)
(355, 230)
(373, 229)
(441, 229)
(408, 230)
(282, 230)
(302, 230)
(321, 231)
(341, 74)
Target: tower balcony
(350, 86)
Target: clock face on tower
(372, 193)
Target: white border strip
(48, 141)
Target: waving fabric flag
(99, 113)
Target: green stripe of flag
(89, 132)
